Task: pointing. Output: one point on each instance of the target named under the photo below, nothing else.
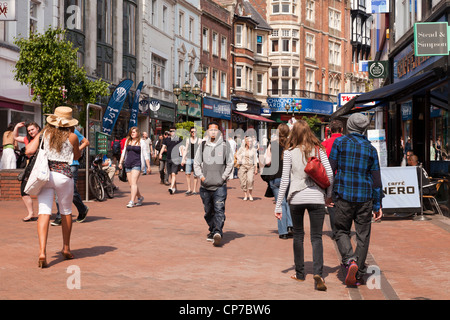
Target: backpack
(116, 147)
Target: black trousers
(360, 214)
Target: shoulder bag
(316, 171)
(40, 173)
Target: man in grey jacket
(213, 163)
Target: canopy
(254, 117)
(391, 92)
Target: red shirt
(328, 144)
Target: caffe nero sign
(431, 38)
(378, 69)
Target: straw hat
(62, 117)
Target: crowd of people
(350, 161)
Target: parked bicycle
(99, 182)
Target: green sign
(378, 69)
(431, 39)
(101, 143)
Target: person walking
(61, 146)
(8, 160)
(134, 156)
(303, 195)
(188, 160)
(77, 201)
(171, 146)
(247, 158)
(274, 159)
(233, 147)
(213, 163)
(32, 129)
(162, 159)
(336, 128)
(149, 144)
(357, 194)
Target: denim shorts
(133, 168)
(189, 168)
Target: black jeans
(214, 205)
(316, 214)
(361, 214)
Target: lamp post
(183, 93)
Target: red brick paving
(159, 251)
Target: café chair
(433, 202)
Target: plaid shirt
(357, 170)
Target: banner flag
(115, 105)
(135, 108)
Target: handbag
(123, 175)
(316, 171)
(40, 174)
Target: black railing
(292, 93)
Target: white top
(65, 155)
(310, 195)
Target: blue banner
(135, 108)
(115, 105)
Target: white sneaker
(139, 202)
(131, 204)
(217, 238)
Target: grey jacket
(214, 163)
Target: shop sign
(307, 105)
(8, 10)
(343, 98)
(431, 38)
(216, 108)
(378, 69)
(266, 112)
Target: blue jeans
(286, 220)
(214, 205)
(77, 201)
(316, 214)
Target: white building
(187, 49)
(30, 16)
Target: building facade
(15, 99)
(158, 43)
(216, 39)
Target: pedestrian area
(159, 252)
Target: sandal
(294, 277)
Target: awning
(391, 92)
(254, 117)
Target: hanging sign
(431, 39)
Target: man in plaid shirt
(357, 193)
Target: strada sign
(431, 38)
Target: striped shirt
(309, 195)
(355, 162)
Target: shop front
(162, 115)
(288, 110)
(416, 112)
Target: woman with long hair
(32, 129)
(8, 160)
(247, 157)
(274, 159)
(134, 156)
(61, 147)
(303, 195)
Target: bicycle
(99, 181)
